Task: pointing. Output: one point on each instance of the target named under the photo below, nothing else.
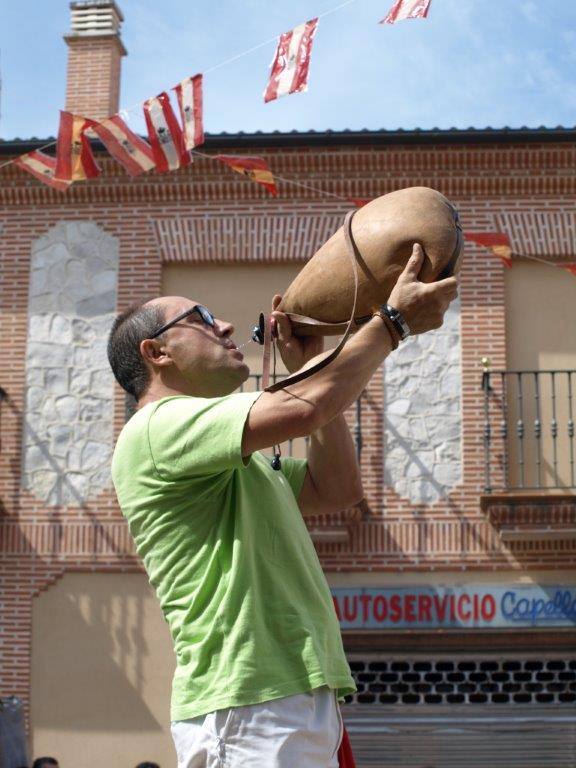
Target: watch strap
(397, 319)
(394, 337)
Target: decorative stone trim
(423, 420)
(69, 386)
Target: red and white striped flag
(570, 267)
(189, 93)
(74, 158)
(256, 168)
(407, 9)
(43, 167)
(124, 145)
(289, 72)
(498, 242)
(165, 135)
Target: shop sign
(466, 607)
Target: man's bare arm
(310, 405)
(333, 482)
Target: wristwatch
(397, 319)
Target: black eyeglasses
(205, 315)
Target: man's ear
(153, 353)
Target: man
(260, 663)
(45, 762)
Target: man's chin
(233, 379)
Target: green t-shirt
(226, 548)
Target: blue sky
(471, 63)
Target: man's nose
(223, 328)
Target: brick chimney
(95, 53)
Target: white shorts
(301, 731)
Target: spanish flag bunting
(43, 167)
(359, 202)
(256, 168)
(165, 135)
(189, 94)
(74, 158)
(131, 151)
(407, 9)
(498, 242)
(570, 267)
(289, 71)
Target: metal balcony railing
(529, 429)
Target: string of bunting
(500, 245)
(168, 143)
(172, 144)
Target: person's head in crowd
(45, 762)
(147, 765)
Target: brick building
(454, 581)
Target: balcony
(529, 429)
(529, 453)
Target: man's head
(45, 762)
(172, 345)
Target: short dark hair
(147, 765)
(41, 762)
(129, 330)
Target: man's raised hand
(423, 305)
(295, 351)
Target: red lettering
(337, 607)
(365, 600)
(440, 607)
(395, 608)
(464, 615)
(452, 608)
(488, 607)
(476, 608)
(380, 608)
(424, 606)
(409, 601)
(350, 615)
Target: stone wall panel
(423, 423)
(68, 429)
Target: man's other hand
(423, 305)
(294, 350)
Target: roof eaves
(349, 137)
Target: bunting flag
(570, 267)
(498, 242)
(256, 168)
(407, 9)
(289, 71)
(189, 93)
(359, 202)
(74, 158)
(43, 167)
(132, 152)
(166, 137)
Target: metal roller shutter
(495, 737)
(466, 711)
